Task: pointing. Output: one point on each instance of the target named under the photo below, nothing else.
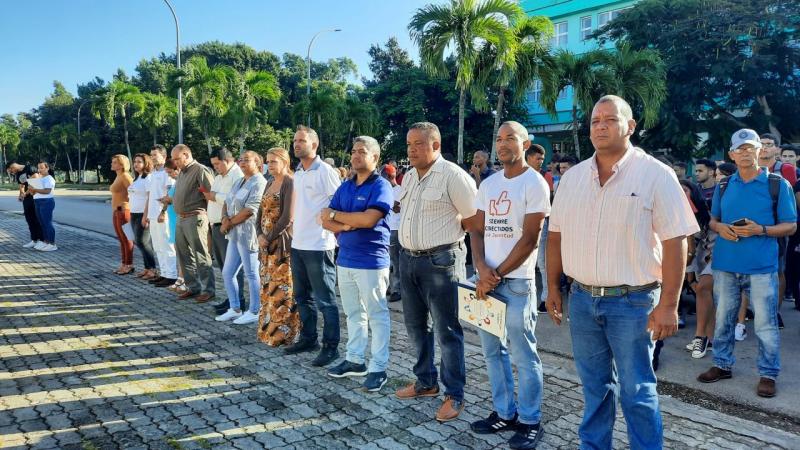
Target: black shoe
(375, 381)
(301, 346)
(542, 307)
(165, 282)
(394, 297)
(780, 322)
(493, 424)
(157, 279)
(222, 307)
(526, 437)
(347, 369)
(327, 355)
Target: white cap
(745, 136)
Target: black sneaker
(301, 346)
(542, 307)
(327, 355)
(526, 437)
(780, 322)
(348, 369)
(375, 381)
(493, 424)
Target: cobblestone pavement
(93, 360)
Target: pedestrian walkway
(93, 360)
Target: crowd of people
(627, 237)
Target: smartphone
(740, 223)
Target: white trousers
(165, 251)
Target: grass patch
(86, 445)
(173, 443)
(203, 443)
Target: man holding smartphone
(750, 210)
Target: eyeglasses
(744, 149)
(768, 144)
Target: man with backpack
(750, 210)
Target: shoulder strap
(723, 184)
(775, 192)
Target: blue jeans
(239, 256)
(520, 325)
(428, 286)
(541, 259)
(763, 292)
(363, 293)
(314, 277)
(613, 354)
(44, 214)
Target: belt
(191, 214)
(431, 251)
(616, 291)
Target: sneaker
(700, 348)
(780, 322)
(690, 346)
(375, 381)
(246, 318)
(493, 424)
(741, 332)
(39, 245)
(526, 437)
(714, 374)
(347, 369)
(230, 314)
(327, 355)
(30, 244)
(52, 248)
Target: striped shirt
(432, 208)
(611, 235)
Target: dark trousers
(34, 227)
(141, 237)
(793, 268)
(219, 246)
(394, 255)
(314, 277)
(428, 287)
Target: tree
(158, 110)
(640, 78)
(60, 137)
(362, 116)
(528, 49)
(247, 92)
(205, 89)
(464, 25)
(9, 137)
(122, 98)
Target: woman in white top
(137, 198)
(42, 188)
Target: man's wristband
(764, 229)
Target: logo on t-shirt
(501, 206)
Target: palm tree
(640, 79)
(59, 137)
(205, 89)
(463, 25)
(158, 109)
(9, 137)
(587, 74)
(362, 115)
(253, 95)
(120, 98)
(528, 49)
(326, 104)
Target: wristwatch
(764, 229)
(331, 215)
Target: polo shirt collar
(314, 165)
(370, 179)
(760, 178)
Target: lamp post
(178, 55)
(308, 63)
(80, 177)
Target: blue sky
(75, 40)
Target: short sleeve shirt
(313, 190)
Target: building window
(560, 37)
(605, 17)
(586, 27)
(536, 94)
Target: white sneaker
(229, 314)
(49, 248)
(690, 345)
(30, 244)
(741, 332)
(39, 245)
(246, 318)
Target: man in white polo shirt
(313, 267)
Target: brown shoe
(203, 298)
(713, 375)
(187, 295)
(414, 391)
(766, 387)
(450, 409)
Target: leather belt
(431, 251)
(191, 214)
(616, 291)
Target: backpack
(774, 192)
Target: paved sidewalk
(93, 360)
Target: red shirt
(788, 172)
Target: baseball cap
(389, 169)
(745, 136)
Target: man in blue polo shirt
(749, 211)
(357, 214)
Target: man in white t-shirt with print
(512, 206)
(393, 219)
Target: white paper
(488, 315)
(128, 230)
(36, 183)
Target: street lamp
(178, 54)
(308, 63)
(80, 178)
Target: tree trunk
(349, 135)
(319, 133)
(575, 127)
(498, 115)
(155, 137)
(762, 101)
(3, 163)
(462, 99)
(68, 179)
(125, 129)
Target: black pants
(141, 237)
(35, 228)
(792, 271)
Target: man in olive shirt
(191, 234)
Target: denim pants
(44, 214)
(394, 256)
(613, 354)
(219, 246)
(520, 325)
(314, 278)
(763, 292)
(428, 286)
(363, 293)
(541, 260)
(240, 257)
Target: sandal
(143, 273)
(126, 271)
(175, 286)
